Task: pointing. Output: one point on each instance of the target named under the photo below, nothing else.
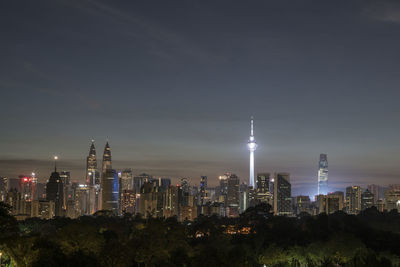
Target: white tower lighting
(252, 147)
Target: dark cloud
(385, 11)
(173, 84)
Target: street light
(0, 258)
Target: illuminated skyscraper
(303, 204)
(109, 183)
(282, 194)
(203, 190)
(54, 190)
(91, 166)
(330, 203)
(28, 187)
(252, 145)
(233, 196)
(106, 159)
(164, 184)
(367, 200)
(374, 189)
(262, 193)
(126, 180)
(323, 175)
(392, 198)
(223, 188)
(66, 181)
(3, 188)
(353, 199)
(92, 180)
(138, 181)
(128, 201)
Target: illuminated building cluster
(120, 192)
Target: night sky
(172, 85)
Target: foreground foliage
(254, 239)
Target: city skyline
(311, 190)
(176, 97)
(199, 133)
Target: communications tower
(252, 145)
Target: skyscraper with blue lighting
(323, 175)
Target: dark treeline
(254, 239)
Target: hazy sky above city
(172, 85)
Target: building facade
(282, 194)
(353, 199)
(323, 175)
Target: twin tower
(104, 187)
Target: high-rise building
(392, 198)
(374, 189)
(303, 204)
(128, 201)
(336, 205)
(164, 184)
(54, 190)
(106, 165)
(110, 191)
(92, 176)
(151, 200)
(252, 145)
(126, 180)
(232, 202)
(43, 209)
(171, 201)
(367, 200)
(323, 175)
(223, 188)
(81, 199)
(3, 188)
(92, 180)
(330, 203)
(14, 199)
(66, 180)
(203, 190)
(109, 183)
(65, 177)
(185, 184)
(263, 194)
(28, 187)
(138, 181)
(243, 197)
(353, 199)
(247, 197)
(282, 194)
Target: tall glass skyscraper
(323, 175)
(233, 196)
(92, 180)
(109, 183)
(282, 194)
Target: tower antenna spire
(251, 126)
(55, 163)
